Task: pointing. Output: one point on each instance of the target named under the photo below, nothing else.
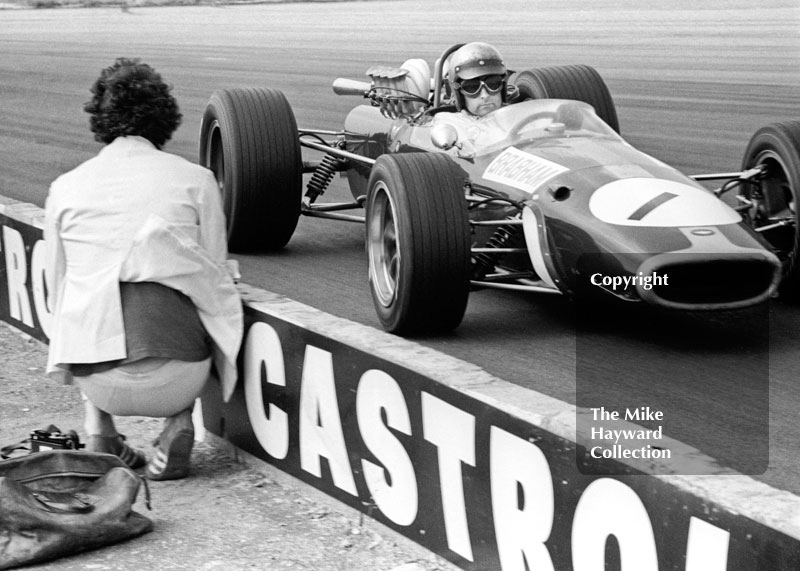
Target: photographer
(143, 307)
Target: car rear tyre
(248, 138)
(775, 212)
(577, 82)
(418, 243)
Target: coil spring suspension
(322, 177)
(484, 262)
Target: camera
(46, 440)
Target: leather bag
(62, 502)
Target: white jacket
(134, 213)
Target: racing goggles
(492, 83)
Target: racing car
(550, 198)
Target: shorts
(152, 386)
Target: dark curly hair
(130, 98)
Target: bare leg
(96, 421)
(102, 436)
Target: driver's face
(483, 102)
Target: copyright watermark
(646, 281)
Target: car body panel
(581, 191)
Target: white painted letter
(609, 507)
(263, 348)
(522, 524)
(707, 547)
(16, 276)
(399, 500)
(320, 423)
(453, 432)
(43, 312)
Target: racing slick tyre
(577, 82)
(418, 243)
(248, 138)
(774, 213)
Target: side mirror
(444, 137)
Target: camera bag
(62, 502)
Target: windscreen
(544, 119)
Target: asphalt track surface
(691, 85)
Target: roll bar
(438, 72)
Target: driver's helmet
(476, 59)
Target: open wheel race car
(543, 195)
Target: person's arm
(55, 263)
(213, 231)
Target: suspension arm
(337, 152)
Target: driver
(478, 78)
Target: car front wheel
(418, 243)
(774, 196)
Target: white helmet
(476, 59)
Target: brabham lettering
(521, 170)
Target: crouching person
(144, 310)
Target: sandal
(173, 449)
(116, 445)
